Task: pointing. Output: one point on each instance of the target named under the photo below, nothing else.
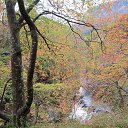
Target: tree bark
(20, 108)
(4, 116)
(21, 19)
(16, 62)
(25, 110)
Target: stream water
(84, 109)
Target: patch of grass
(68, 124)
(116, 120)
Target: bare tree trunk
(16, 62)
(26, 108)
(20, 108)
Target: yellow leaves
(94, 45)
(90, 75)
(41, 52)
(41, 27)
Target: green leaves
(28, 1)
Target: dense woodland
(47, 51)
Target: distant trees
(108, 69)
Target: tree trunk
(16, 62)
(121, 100)
(26, 108)
(4, 116)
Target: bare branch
(26, 33)
(28, 10)
(119, 87)
(86, 41)
(45, 40)
(115, 83)
(70, 20)
(5, 85)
